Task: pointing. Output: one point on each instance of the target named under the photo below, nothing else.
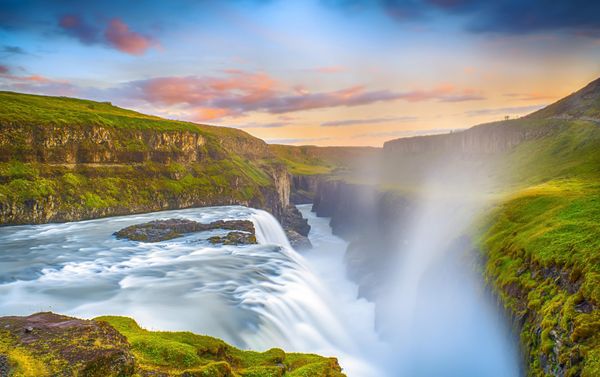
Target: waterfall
(252, 296)
(268, 229)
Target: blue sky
(320, 72)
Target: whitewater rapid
(253, 296)
(435, 322)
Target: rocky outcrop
(47, 344)
(234, 238)
(161, 230)
(296, 228)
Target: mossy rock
(47, 344)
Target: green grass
(151, 164)
(542, 251)
(178, 352)
(312, 160)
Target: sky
(320, 72)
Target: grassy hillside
(541, 243)
(313, 160)
(542, 251)
(66, 159)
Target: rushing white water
(435, 313)
(435, 319)
(253, 296)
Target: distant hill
(584, 104)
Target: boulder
(52, 344)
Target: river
(253, 296)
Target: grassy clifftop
(47, 344)
(67, 159)
(542, 250)
(313, 160)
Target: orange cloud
(330, 69)
(211, 114)
(240, 92)
(119, 36)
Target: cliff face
(375, 223)
(304, 187)
(480, 140)
(98, 144)
(64, 159)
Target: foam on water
(254, 296)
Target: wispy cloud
(530, 96)
(119, 36)
(297, 140)
(329, 69)
(261, 125)
(504, 110)
(353, 122)
(115, 34)
(7, 50)
(239, 92)
(407, 133)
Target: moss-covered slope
(47, 344)
(68, 159)
(542, 251)
(541, 243)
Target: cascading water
(434, 321)
(435, 313)
(253, 296)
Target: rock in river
(161, 230)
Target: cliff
(47, 344)
(65, 159)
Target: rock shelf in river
(162, 230)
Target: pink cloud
(118, 35)
(205, 114)
(3, 69)
(330, 69)
(241, 92)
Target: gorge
(443, 240)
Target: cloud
(118, 35)
(329, 69)
(296, 140)
(36, 84)
(504, 110)
(78, 28)
(353, 122)
(12, 50)
(3, 69)
(205, 114)
(408, 133)
(578, 17)
(505, 16)
(443, 93)
(261, 125)
(238, 92)
(530, 96)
